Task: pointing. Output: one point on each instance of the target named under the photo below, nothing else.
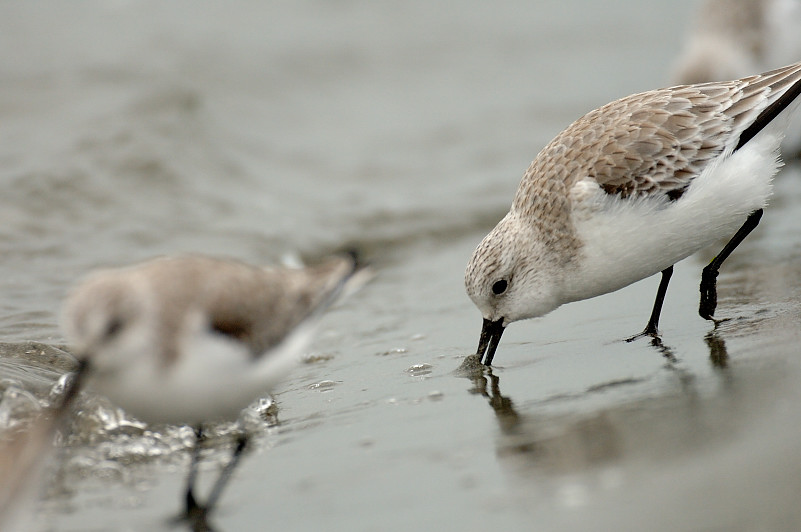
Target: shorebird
(630, 189)
(194, 339)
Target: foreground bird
(194, 339)
(627, 191)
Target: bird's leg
(196, 514)
(653, 321)
(709, 294)
(225, 475)
(191, 502)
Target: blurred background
(283, 131)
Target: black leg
(196, 514)
(225, 475)
(653, 321)
(191, 502)
(709, 294)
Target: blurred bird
(194, 339)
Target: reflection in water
(490, 388)
(655, 427)
(718, 355)
(587, 441)
(663, 349)
(722, 446)
(729, 456)
(717, 348)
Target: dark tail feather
(769, 114)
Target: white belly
(626, 240)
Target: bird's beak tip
(491, 332)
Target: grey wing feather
(656, 142)
(262, 309)
(681, 129)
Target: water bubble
(436, 395)
(420, 370)
(323, 386)
(265, 406)
(261, 411)
(396, 351)
(17, 405)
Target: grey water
(287, 130)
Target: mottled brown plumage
(255, 306)
(193, 339)
(654, 142)
(645, 144)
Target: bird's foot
(649, 331)
(709, 298)
(709, 295)
(195, 516)
(198, 520)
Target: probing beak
(75, 385)
(491, 332)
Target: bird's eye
(499, 287)
(113, 327)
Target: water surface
(261, 131)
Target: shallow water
(131, 129)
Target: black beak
(75, 384)
(491, 332)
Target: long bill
(491, 332)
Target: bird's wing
(657, 142)
(261, 307)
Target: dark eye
(113, 327)
(499, 287)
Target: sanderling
(627, 191)
(194, 339)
